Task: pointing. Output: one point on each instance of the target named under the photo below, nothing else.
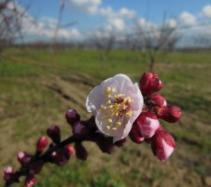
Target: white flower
(115, 103)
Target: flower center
(118, 106)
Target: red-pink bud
(147, 124)
(163, 145)
(54, 133)
(158, 100)
(23, 158)
(30, 181)
(70, 150)
(150, 83)
(135, 134)
(72, 116)
(8, 174)
(170, 113)
(42, 143)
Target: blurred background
(53, 52)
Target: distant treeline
(86, 45)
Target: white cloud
(125, 12)
(172, 23)
(187, 19)
(88, 6)
(206, 11)
(115, 20)
(116, 24)
(45, 28)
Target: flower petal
(95, 99)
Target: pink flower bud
(135, 134)
(81, 151)
(72, 116)
(8, 174)
(170, 113)
(30, 181)
(42, 143)
(163, 145)
(23, 158)
(150, 83)
(70, 150)
(54, 133)
(158, 100)
(147, 123)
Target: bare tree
(104, 41)
(10, 23)
(156, 40)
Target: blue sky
(152, 8)
(118, 14)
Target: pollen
(129, 113)
(109, 101)
(113, 90)
(108, 127)
(118, 123)
(110, 120)
(108, 89)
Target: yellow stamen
(118, 123)
(110, 120)
(108, 127)
(109, 101)
(113, 90)
(129, 113)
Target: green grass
(28, 106)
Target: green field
(30, 102)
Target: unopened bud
(79, 129)
(158, 100)
(72, 116)
(70, 150)
(135, 134)
(150, 83)
(81, 151)
(105, 143)
(163, 145)
(30, 181)
(24, 158)
(147, 124)
(8, 174)
(54, 133)
(60, 157)
(42, 143)
(170, 113)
